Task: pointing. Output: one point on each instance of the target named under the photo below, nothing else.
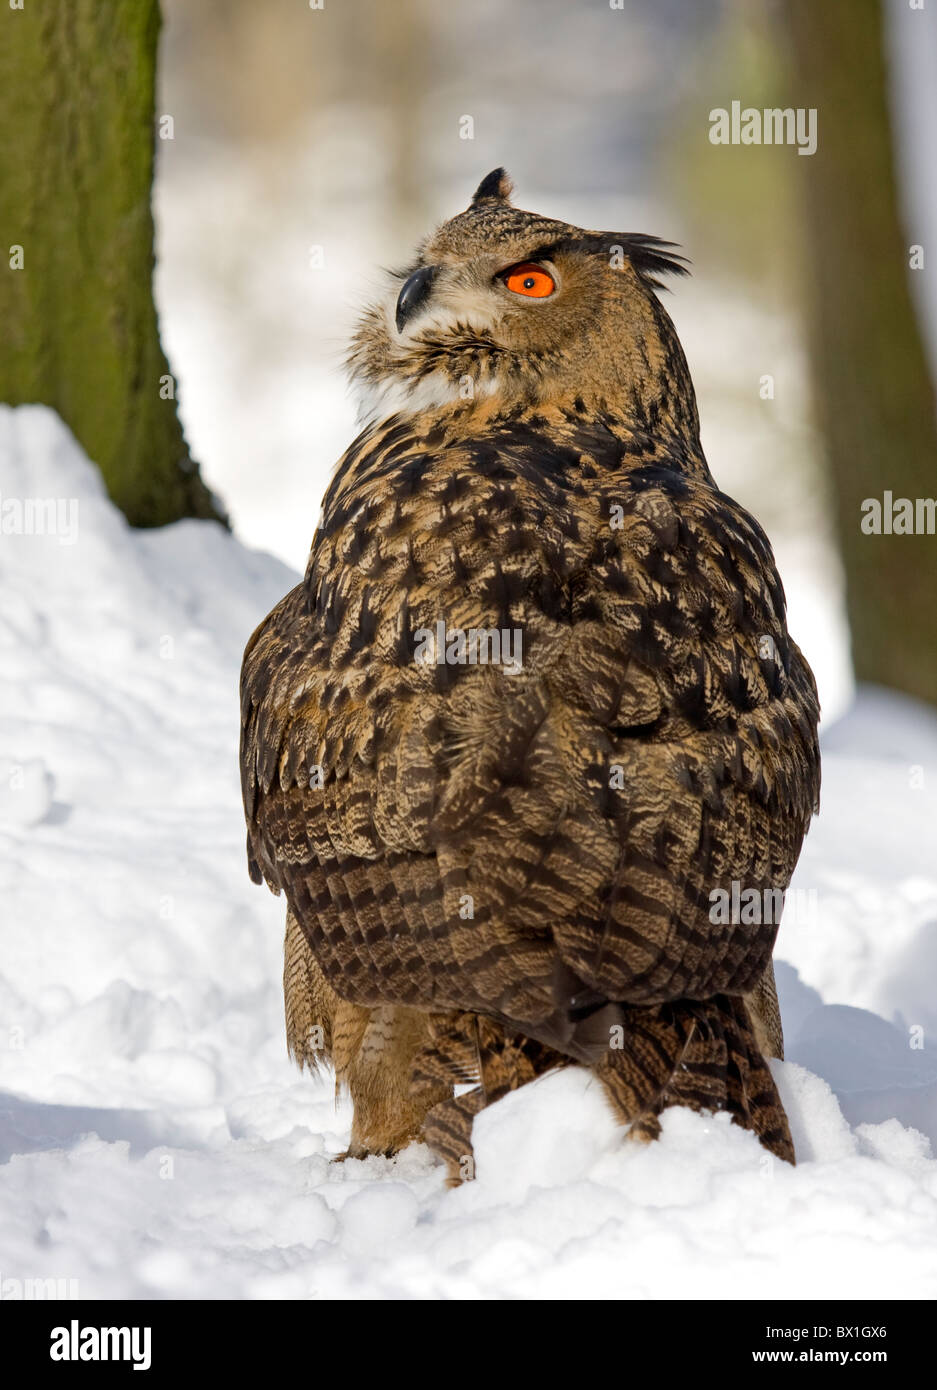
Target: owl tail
(703, 1055)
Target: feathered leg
(371, 1050)
(468, 1048)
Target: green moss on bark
(77, 91)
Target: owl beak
(414, 292)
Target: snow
(156, 1143)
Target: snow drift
(156, 1143)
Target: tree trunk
(875, 399)
(77, 87)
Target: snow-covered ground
(154, 1140)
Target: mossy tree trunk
(77, 91)
(874, 394)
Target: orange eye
(529, 279)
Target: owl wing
(527, 843)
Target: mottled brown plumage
(499, 871)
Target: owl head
(502, 308)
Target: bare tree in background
(77, 85)
(875, 397)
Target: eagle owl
(532, 711)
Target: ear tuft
(495, 186)
(653, 257)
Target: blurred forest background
(299, 149)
